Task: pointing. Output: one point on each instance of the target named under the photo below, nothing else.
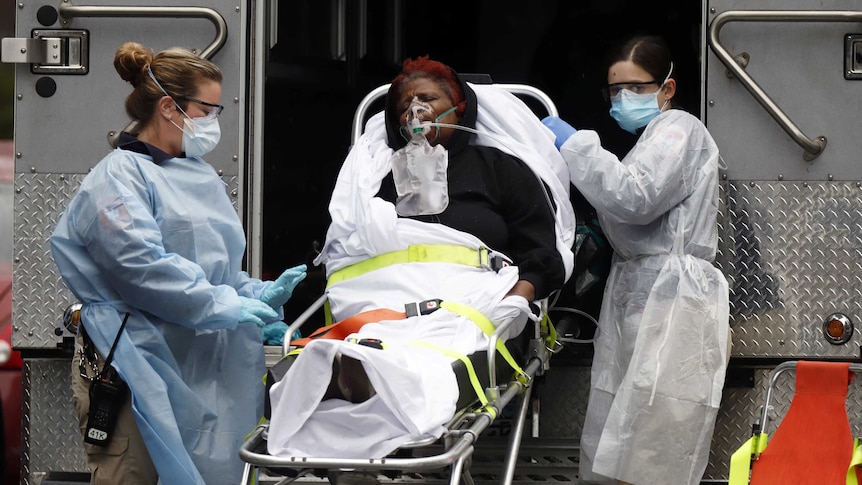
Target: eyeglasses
(615, 89)
(214, 109)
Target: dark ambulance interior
(330, 54)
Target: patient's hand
(523, 288)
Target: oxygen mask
(417, 112)
(419, 170)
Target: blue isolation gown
(158, 237)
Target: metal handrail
(67, 11)
(813, 146)
(523, 89)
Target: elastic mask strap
(153, 77)
(666, 78)
(442, 115)
(402, 130)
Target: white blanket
(364, 226)
(416, 388)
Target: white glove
(509, 309)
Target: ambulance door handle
(69, 11)
(813, 146)
(49, 51)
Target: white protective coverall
(163, 242)
(660, 354)
(416, 389)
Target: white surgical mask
(200, 135)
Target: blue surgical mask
(633, 111)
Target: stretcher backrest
(522, 90)
(813, 444)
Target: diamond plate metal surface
(51, 438)
(39, 295)
(563, 393)
(791, 252)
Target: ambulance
(778, 83)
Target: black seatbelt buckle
(498, 262)
(492, 260)
(371, 342)
(426, 307)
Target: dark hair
(425, 68)
(650, 52)
(179, 72)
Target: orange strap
(341, 329)
(813, 443)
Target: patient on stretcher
(449, 233)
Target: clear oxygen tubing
(552, 307)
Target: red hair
(423, 67)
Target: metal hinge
(50, 51)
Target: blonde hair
(177, 70)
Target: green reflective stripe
(418, 253)
(487, 328)
(740, 461)
(471, 372)
(855, 460)
(550, 331)
(327, 313)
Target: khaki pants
(125, 460)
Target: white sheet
(416, 388)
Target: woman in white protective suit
(152, 247)
(661, 349)
(389, 246)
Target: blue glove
(255, 311)
(561, 129)
(273, 333)
(277, 294)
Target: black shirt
(497, 198)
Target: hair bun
(131, 60)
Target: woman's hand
(277, 294)
(523, 288)
(562, 130)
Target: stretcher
(813, 443)
(488, 389)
